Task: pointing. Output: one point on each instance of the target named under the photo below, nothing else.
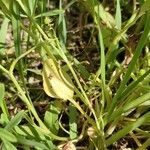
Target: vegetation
(74, 74)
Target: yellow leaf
(56, 82)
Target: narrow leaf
(51, 13)
(4, 134)
(118, 15)
(2, 101)
(128, 128)
(16, 120)
(8, 146)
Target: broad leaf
(56, 82)
(72, 122)
(51, 117)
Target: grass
(74, 74)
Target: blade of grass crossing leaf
(2, 101)
(3, 32)
(128, 128)
(137, 53)
(118, 15)
(73, 122)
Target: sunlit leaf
(56, 82)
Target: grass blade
(118, 15)
(128, 128)
(4, 134)
(2, 101)
(32, 143)
(7, 145)
(50, 13)
(137, 53)
(15, 121)
(130, 105)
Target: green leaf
(73, 122)
(51, 145)
(134, 84)
(30, 132)
(8, 146)
(118, 15)
(51, 117)
(145, 7)
(5, 7)
(16, 120)
(56, 82)
(24, 6)
(2, 101)
(128, 128)
(31, 6)
(84, 72)
(3, 31)
(131, 66)
(62, 31)
(51, 13)
(136, 102)
(4, 134)
(130, 105)
(32, 143)
(4, 119)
